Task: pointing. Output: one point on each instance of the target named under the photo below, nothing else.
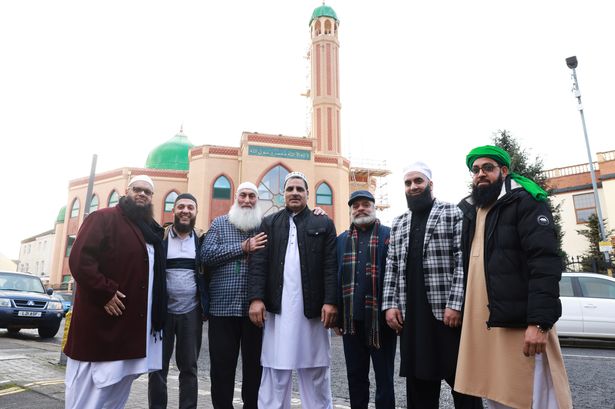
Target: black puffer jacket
(317, 252)
(522, 266)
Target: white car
(588, 306)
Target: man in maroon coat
(120, 301)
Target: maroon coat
(109, 254)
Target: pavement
(31, 376)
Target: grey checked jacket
(442, 260)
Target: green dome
(323, 11)
(61, 215)
(172, 154)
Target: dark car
(24, 303)
(65, 299)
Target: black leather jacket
(522, 265)
(317, 252)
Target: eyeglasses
(145, 191)
(486, 168)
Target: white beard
(245, 219)
(363, 220)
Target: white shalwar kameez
(291, 341)
(98, 385)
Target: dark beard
(421, 202)
(134, 211)
(486, 196)
(183, 228)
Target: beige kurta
(491, 363)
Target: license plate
(29, 313)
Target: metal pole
(577, 94)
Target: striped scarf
(349, 266)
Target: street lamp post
(572, 63)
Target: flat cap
(360, 194)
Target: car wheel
(48, 332)
(13, 330)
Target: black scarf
(153, 233)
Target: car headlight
(54, 305)
(5, 302)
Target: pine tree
(593, 259)
(521, 163)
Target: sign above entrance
(279, 152)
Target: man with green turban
(509, 354)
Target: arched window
(222, 188)
(74, 210)
(169, 202)
(271, 190)
(114, 198)
(324, 194)
(94, 203)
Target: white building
(35, 254)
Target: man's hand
(394, 319)
(328, 315)
(115, 306)
(318, 211)
(452, 318)
(535, 341)
(257, 313)
(254, 243)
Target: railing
(368, 163)
(606, 156)
(569, 170)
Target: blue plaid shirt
(228, 265)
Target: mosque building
(212, 173)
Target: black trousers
(188, 330)
(358, 355)
(226, 336)
(425, 394)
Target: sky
(418, 81)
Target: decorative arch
(167, 208)
(271, 188)
(221, 196)
(114, 198)
(325, 198)
(74, 208)
(94, 203)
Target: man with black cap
(509, 352)
(184, 320)
(361, 253)
(423, 291)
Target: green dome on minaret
(172, 154)
(61, 215)
(323, 11)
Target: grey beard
(245, 219)
(363, 220)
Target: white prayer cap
(294, 175)
(247, 185)
(420, 167)
(142, 178)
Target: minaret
(324, 90)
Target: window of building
(222, 188)
(69, 244)
(584, 206)
(94, 203)
(169, 202)
(271, 190)
(114, 198)
(324, 195)
(74, 210)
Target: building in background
(36, 253)
(572, 189)
(212, 173)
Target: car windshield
(18, 282)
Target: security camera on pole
(572, 63)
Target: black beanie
(186, 196)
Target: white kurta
(290, 340)
(107, 373)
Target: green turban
(503, 158)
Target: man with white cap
(120, 304)
(293, 295)
(423, 291)
(230, 241)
